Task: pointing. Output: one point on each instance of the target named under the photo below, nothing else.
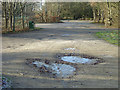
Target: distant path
(52, 39)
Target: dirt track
(52, 39)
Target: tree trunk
(42, 17)
(22, 15)
(6, 18)
(108, 21)
(14, 17)
(10, 15)
(46, 13)
(102, 17)
(99, 15)
(94, 15)
(13, 22)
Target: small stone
(27, 59)
(47, 71)
(47, 62)
(75, 74)
(58, 56)
(34, 65)
(21, 45)
(55, 61)
(40, 71)
(21, 74)
(71, 54)
(30, 62)
(95, 63)
(54, 74)
(36, 59)
(81, 83)
(65, 54)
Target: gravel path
(53, 38)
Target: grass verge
(110, 36)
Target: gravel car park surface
(55, 38)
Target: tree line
(100, 12)
(106, 12)
(18, 14)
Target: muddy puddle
(76, 59)
(79, 58)
(54, 69)
(69, 49)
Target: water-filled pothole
(79, 58)
(76, 59)
(69, 49)
(53, 69)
